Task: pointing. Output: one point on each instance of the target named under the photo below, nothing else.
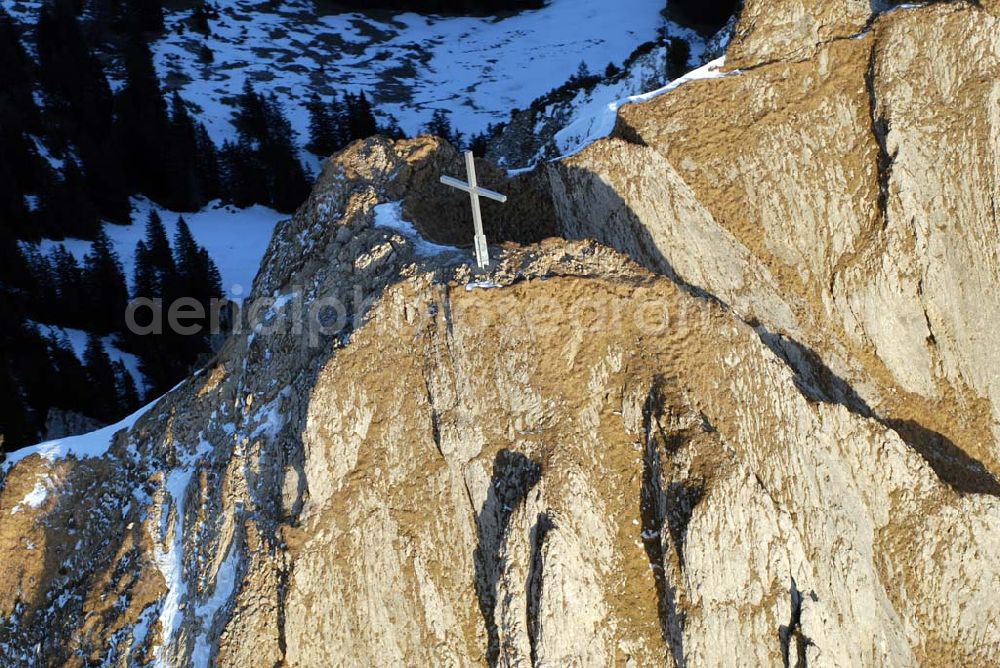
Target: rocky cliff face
(755, 422)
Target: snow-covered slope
(235, 238)
(479, 69)
(594, 116)
(562, 125)
(77, 339)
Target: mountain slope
(697, 449)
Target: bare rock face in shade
(740, 407)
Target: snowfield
(479, 69)
(78, 341)
(91, 444)
(390, 216)
(235, 238)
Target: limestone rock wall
(747, 417)
(843, 203)
(769, 31)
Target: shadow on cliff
(513, 477)
(668, 510)
(813, 377)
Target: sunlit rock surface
(746, 415)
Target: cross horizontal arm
(482, 192)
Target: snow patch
(597, 119)
(35, 498)
(170, 562)
(390, 216)
(483, 285)
(235, 238)
(92, 444)
(225, 586)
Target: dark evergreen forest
(73, 150)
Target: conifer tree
(79, 107)
(161, 258)
(209, 275)
(183, 178)
(195, 268)
(479, 144)
(127, 394)
(339, 116)
(142, 124)
(102, 381)
(263, 165)
(186, 260)
(105, 285)
(289, 186)
(440, 126)
(207, 165)
(250, 116)
(34, 275)
(66, 207)
(144, 280)
(391, 129)
(14, 420)
(105, 181)
(73, 391)
(26, 366)
(361, 121)
(199, 18)
(323, 139)
(78, 94)
(72, 296)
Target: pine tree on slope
(101, 376)
(142, 124)
(105, 285)
(72, 297)
(73, 391)
(183, 182)
(361, 120)
(161, 258)
(263, 165)
(127, 395)
(207, 165)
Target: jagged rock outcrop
(542, 131)
(770, 31)
(60, 423)
(763, 431)
(844, 204)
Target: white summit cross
(475, 192)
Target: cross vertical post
(482, 251)
(475, 192)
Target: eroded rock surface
(844, 204)
(748, 417)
